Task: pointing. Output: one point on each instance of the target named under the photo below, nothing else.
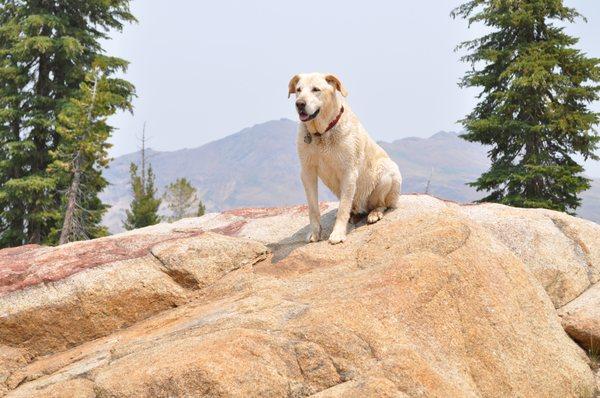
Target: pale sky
(204, 70)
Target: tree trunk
(34, 228)
(69, 222)
(17, 208)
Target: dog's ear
(292, 85)
(337, 84)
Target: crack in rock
(581, 250)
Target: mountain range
(258, 166)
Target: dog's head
(316, 95)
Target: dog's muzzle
(305, 117)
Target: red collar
(332, 124)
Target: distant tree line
(180, 197)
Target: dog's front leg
(347, 191)
(309, 180)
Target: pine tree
(82, 152)
(144, 206)
(46, 50)
(201, 209)
(534, 114)
(13, 151)
(181, 199)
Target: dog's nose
(300, 105)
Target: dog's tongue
(304, 117)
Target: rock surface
(581, 319)
(436, 300)
(563, 252)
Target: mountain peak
(443, 135)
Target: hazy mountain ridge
(258, 166)
(231, 172)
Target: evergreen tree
(82, 152)
(533, 113)
(14, 77)
(46, 50)
(182, 200)
(201, 209)
(144, 207)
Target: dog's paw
(314, 236)
(374, 216)
(337, 237)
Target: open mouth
(305, 117)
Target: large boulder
(581, 320)
(430, 302)
(563, 252)
(57, 298)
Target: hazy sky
(204, 70)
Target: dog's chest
(330, 162)
(323, 154)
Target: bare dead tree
(145, 157)
(143, 140)
(428, 186)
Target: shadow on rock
(285, 246)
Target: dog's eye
(299, 89)
(315, 90)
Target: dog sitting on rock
(334, 146)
